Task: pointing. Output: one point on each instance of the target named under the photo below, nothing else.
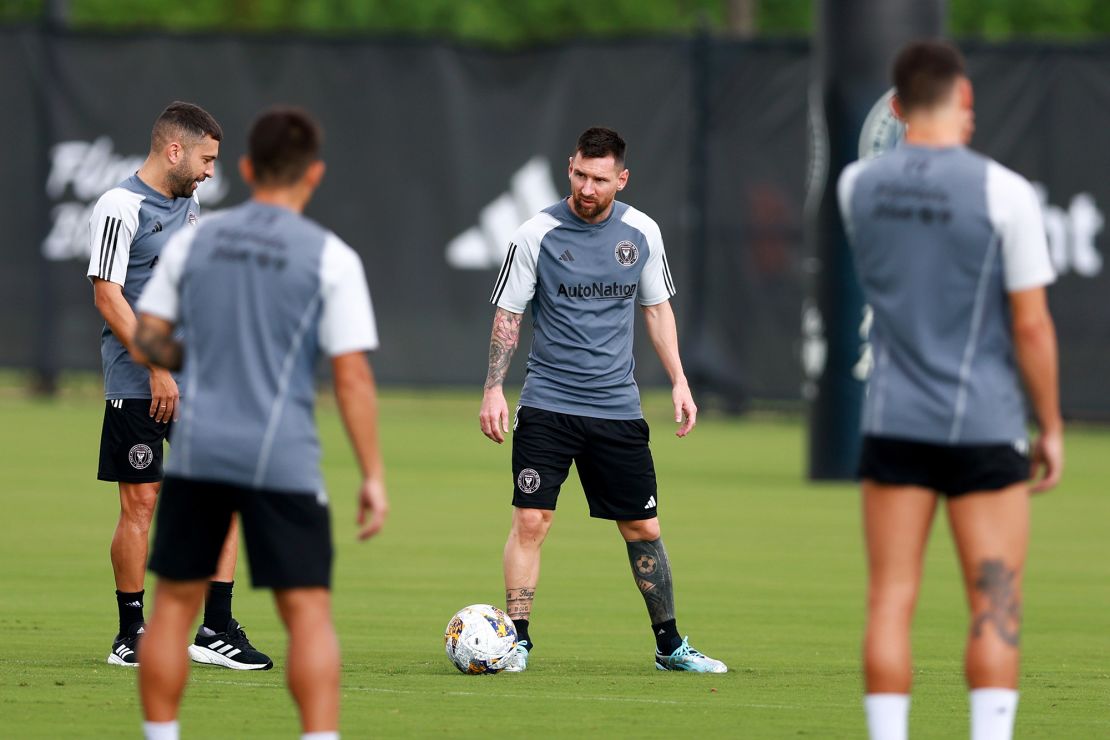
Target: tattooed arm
(155, 343)
(494, 416)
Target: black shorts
(612, 456)
(288, 535)
(131, 442)
(949, 469)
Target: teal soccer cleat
(517, 660)
(686, 658)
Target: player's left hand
(373, 506)
(685, 410)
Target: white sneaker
(517, 660)
(686, 658)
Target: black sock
(217, 607)
(666, 637)
(130, 605)
(522, 632)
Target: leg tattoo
(652, 571)
(518, 602)
(996, 582)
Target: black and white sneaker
(230, 649)
(124, 647)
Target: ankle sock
(522, 632)
(666, 637)
(130, 605)
(217, 606)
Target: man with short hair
(260, 293)
(583, 263)
(950, 250)
(130, 224)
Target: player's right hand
(373, 506)
(1047, 461)
(494, 416)
(163, 396)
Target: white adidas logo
(224, 649)
(651, 503)
(483, 247)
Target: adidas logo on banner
(483, 247)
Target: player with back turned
(950, 250)
(260, 293)
(584, 263)
(129, 227)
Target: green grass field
(769, 573)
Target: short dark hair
(598, 142)
(183, 118)
(283, 143)
(924, 72)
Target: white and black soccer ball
(479, 638)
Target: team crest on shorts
(528, 481)
(627, 253)
(140, 457)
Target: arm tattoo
(502, 344)
(652, 570)
(518, 602)
(1003, 610)
(162, 349)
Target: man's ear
(246, 170)
(897, 109)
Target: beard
(587, 210)
(181, 181)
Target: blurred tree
(508, 22)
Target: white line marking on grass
(572, 697)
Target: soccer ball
(479, 638)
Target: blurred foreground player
(584, 263)
(260, 293)
(130, 225)
(950, 250)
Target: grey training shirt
(130, 225)
(941, 236)
(583, 281)
(260, 294)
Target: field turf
(769, 573)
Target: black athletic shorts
(288, 535)
(131, 442)
(949, 469)
(612, 456)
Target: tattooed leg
(1002, 609)
(518, 602)
(652, 571)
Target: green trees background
(513, 22)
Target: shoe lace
(238, 637)
(686, 650)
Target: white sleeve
(516, 283)
(347, 320)
(162, 295)
(656, 283)
(115, 218)
(1015, 213)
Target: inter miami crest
(191, 217)
(528, 481)
(627, 253)
(140, 457)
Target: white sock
(160, 730)
(320, 736)
(888, 716)
(992, 713)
